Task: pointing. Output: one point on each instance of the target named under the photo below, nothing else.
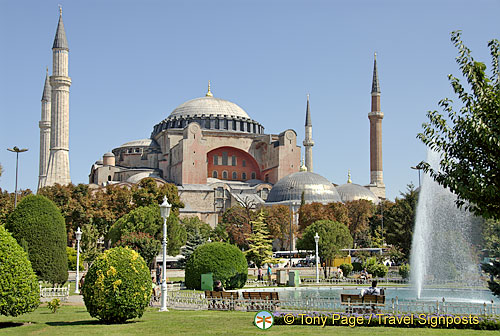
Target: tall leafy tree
(469, 141)
(260, 244)
(334, 236)
(143, 219)
(360, 212)
(399, 221)
(236, 220)
(278, 219)
(143, 243)
(7, 202)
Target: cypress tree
(38, 226)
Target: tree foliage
(334, 236)
(236, 221)
(310, 213)
(194, 241)
(145, 219)
(260, 244)
(360, 212)
(71, 252)
(176, 235)
(469, 141)
(18, 283)
(194, 225)
(7, 202)
(38, 226)
(399, 221)
(277, 218)
(143, 243)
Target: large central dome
(210, 113)
(209, 106)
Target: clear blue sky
(133, 62)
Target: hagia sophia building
(216, 154)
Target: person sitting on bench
(373, 290)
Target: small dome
(209, 106)
(316, 188)
(352, 192)
(109, 154)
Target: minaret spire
(44, 126)
(376, 115)
(308, 141)
(375, 84)
(58, 166)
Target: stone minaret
(44, 125)
(58, 169)
(308, 141)
(376, 116)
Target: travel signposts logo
(263, 320)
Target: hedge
(19, 291)
(227, 263)
(117, 286)
(38, 226)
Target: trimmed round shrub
(38, 226)
(357, 266)
(404, 271)
(117, 286)
(227, 263)
(19, 291)
(346, 269)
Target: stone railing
(195, 300)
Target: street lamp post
(78, 235)
(165, 212)
(316, 240)
(419, 169)
(17, 151)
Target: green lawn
(74, 320)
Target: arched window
(224, 174)
(109, 177)
(253, 176)
(233, 160)
(214, 174)
(235, 176)
(244, 163)
(244, 176)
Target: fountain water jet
(445, 239)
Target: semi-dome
(209, 106)
(138, 143)
(352, 192)
(315, 187)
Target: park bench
(261, 300)
(221, 300)
(356, 303)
